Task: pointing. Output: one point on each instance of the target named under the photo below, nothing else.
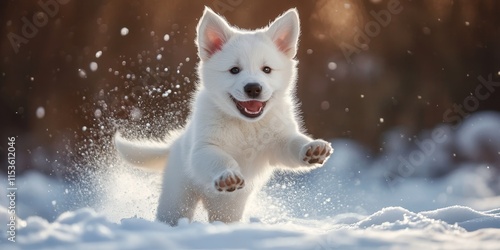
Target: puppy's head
(247, 72)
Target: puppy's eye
(234, 70)
(266, 70)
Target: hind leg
(226, 207)
(177, 199)
(172, 208)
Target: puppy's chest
(247, 141)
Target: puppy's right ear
(212, 33)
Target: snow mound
(398, 218)
(466, 217)
(393, 227)
(479, 139)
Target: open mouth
(250, 109)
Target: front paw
(229, 181)
(316, 152)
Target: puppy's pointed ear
(212, 33)
(285, 31)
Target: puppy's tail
(151, 155)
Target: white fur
(219, 143)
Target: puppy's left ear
(285, 31)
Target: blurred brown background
(425, 60)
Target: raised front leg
(316, 152)
(229, 181)
(211, 166)
(301, 151)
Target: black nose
(253, 90)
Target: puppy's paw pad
(229, 181)
(316, 152)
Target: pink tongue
(252, 106)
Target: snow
(40, 112)
(395, 227)
(479, 134)
(332, 66)
(350, 203)
(93, 66)
(82, 73)
(97, 113)
(124, 31)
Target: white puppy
(243, 125)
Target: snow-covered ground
(357, 201)
(392, 227)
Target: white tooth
(253, 113)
